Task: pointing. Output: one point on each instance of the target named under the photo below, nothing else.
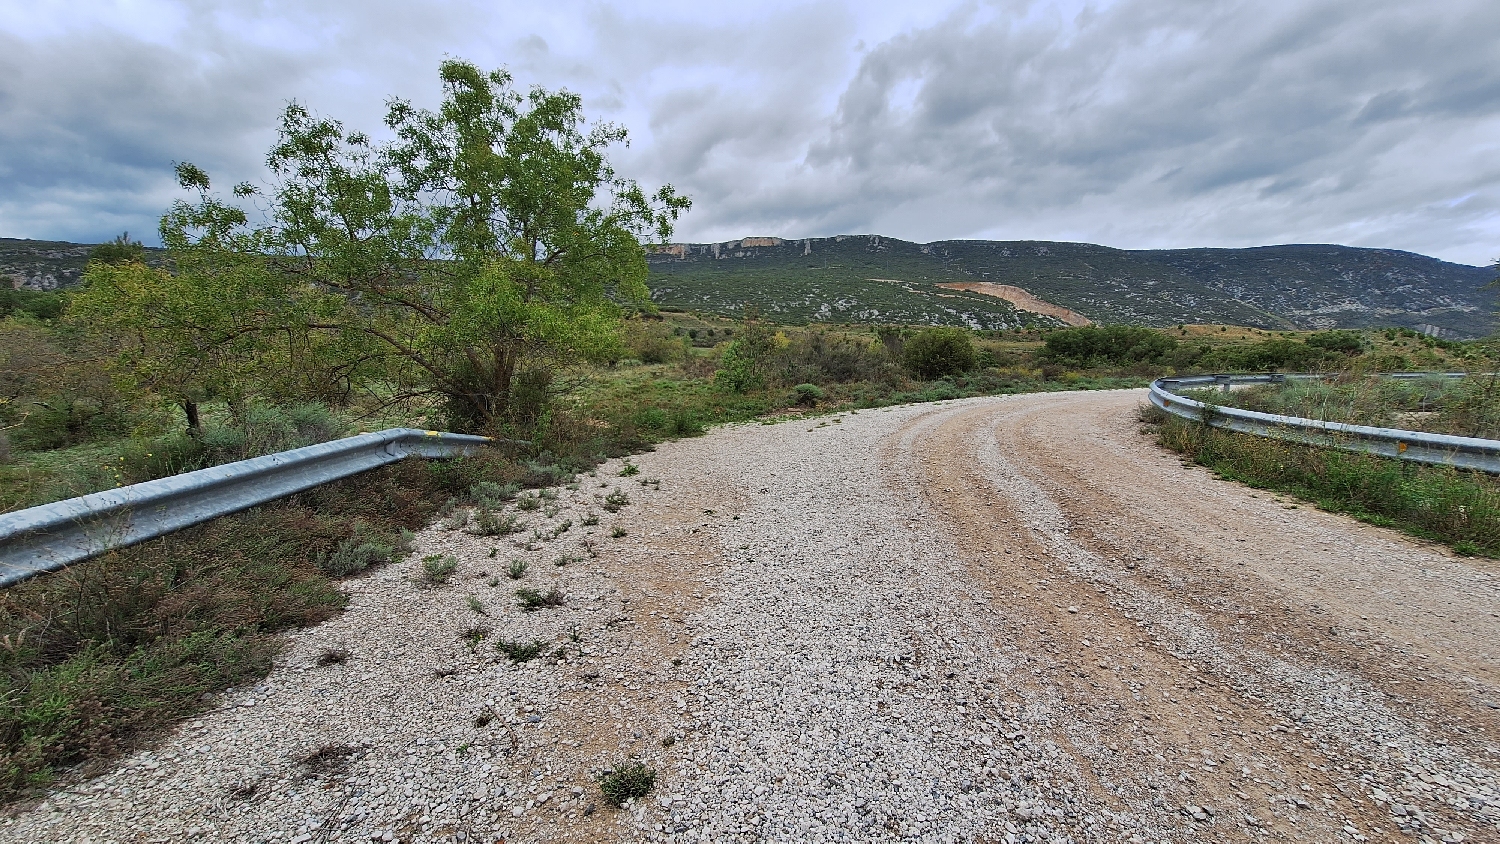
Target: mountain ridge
(1287, 286)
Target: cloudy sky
(1133, 123)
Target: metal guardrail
(49, 537)
(1417, 446)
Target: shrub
(1106, 345)
(807, 394)
(615, 500)
(493, 496)
(364, 549)
(437, 568)
(490, 523)
(936, 352)
(517, 569)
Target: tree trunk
(194, 426)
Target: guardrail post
(1278, 378)
(1223, 381)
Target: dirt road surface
(1008, 619)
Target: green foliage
(490, 523)
(32, 303)
(1433, 502)
(532, 600)
(366, 547)
(120, 250)
(615, 500)
(744, 364)
(628, 781)
(539, 241)
(1109, 344)
(807, 394)
(437, 568)
(517, 569)
(521, 651)
(936, 352)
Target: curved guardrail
(49, 537)
(1417, 446)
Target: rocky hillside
(868, 278)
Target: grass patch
(1460, 509)
(629, 781)
(521, 651)
(532, 600)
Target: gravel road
(1002, 619)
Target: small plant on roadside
(562, 528)
(551, 511)
(474, 635)
(477, 606)
(521, 651)
(615, 500)
(566, 559)
(493, 496)
(534, 599)
(588, 545)
(590, 520)
(437, 568)
(616, 532)
(548, 494)
(629, 781)
(332, 656)
(629, 469)
(517, 569)
(490, 523)
(456, 520)
(528, 503)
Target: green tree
(936, 352)
(122, 248)
(491, 237)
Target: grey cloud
(1136, 123)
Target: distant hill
(869, 278)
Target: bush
(807, 394)
(936, 352)
(1105, 345)
(365, 548)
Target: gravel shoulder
(991, 620)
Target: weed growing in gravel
(472, 636)
(562, 528)
(517, 569)
(551, 511)
(548, 494)
(566, 559)
(493, 581)
(437, 568)
(588, 545)
(628, 781)
(590, 520)
(533, 599)
(615, 500)
(575, 635)
(365, 548)
(493, 496)
(521, 651)
(629, 469)
(477, 606)
(485, 716)
(456, 521)
(328, 761)
(490, 523)
(332, 656)
(616, 532)
(528, 503)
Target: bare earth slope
(989, 620)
